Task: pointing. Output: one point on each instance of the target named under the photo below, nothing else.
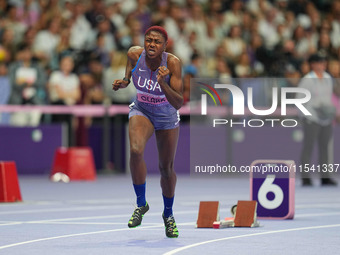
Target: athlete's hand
(163, 71)
(119, 84)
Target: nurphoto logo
(302, 96)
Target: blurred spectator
(12, 23)
(142, 13)
(182, 47)
(276, 35)
(334, 68)
(135, 36)
(29, 37)
(68, 9)
(63, 85)
(28, 87)
(49, 9)
(113, 12)
(64, 89)
(223, 72)
(268, 28)
(215, 15)
(317, 127)
(257, 53)
(234, 45)
(174, 23)
(96, 13)
(304, 68)
(62, 49)
(101, 52)
(233, 17)
(335, 23)
(291, 78)
(27, 79)
(191, 71)
(247, 25)
(297, 6)
(122, 96)
(46, 41)
(161, 13)
(4, 5)
(210, 47)
(325, 45)
(8, 48)
(196, 25)
(96, 69)
(91, 93)
(242, 68)
(212, 63)
(258, 7)
(334, 71)
(28, 13)
(82, 35)
(5, 92)
(106, 31)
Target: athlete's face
(154, 44)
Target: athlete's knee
(136, 150)
(166, 169)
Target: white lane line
(248, 235)
(66, 220)
(102, 223)
(81, 208)
(316, 214)
(321, 205)
(104, 217)
(92, 208)
(10, 223)
(155, 214)
(97, 217)
(72, 235)
(90, 223)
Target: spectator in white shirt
(63, 85)
(46, 41)
(64, 89)
(82, 34)
(317, 127)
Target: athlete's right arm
(133, 56)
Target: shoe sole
(172, 236)
(140, 223)
(135, 226)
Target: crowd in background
(69, 52)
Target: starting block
(244, 216)
(208, 213)
(75, 163)
(9, 184)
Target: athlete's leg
(140, 130)
(167, 145)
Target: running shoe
(170, 226)
(137, 216)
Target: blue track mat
(91, 218)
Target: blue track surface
(91, 218)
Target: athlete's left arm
(174, 90)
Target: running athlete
(157, 77)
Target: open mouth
(151, 51)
